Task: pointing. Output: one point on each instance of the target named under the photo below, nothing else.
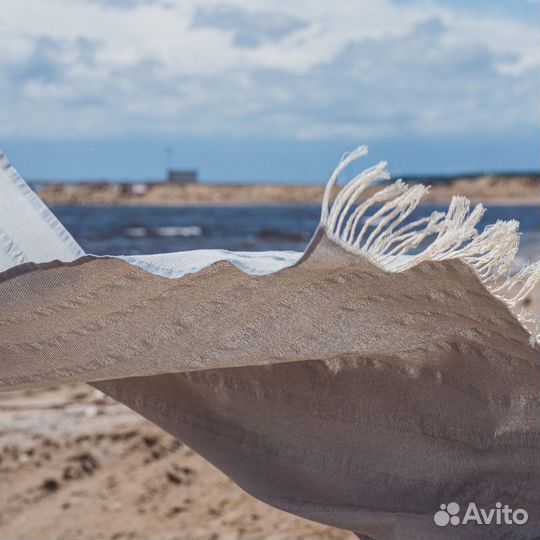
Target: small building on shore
(175, 176)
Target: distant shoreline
(489, 189)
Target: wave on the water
(168, 231)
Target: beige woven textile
(355, 387)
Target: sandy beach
(74, 464)
(488, 189)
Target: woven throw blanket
(366, 383)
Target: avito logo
(449, 515)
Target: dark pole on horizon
(168, 160)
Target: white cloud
(248, 28)
(303, 69)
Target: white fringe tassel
(453, 234)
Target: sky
(267, 90)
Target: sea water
(132, 230)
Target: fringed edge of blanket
(383, 237)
